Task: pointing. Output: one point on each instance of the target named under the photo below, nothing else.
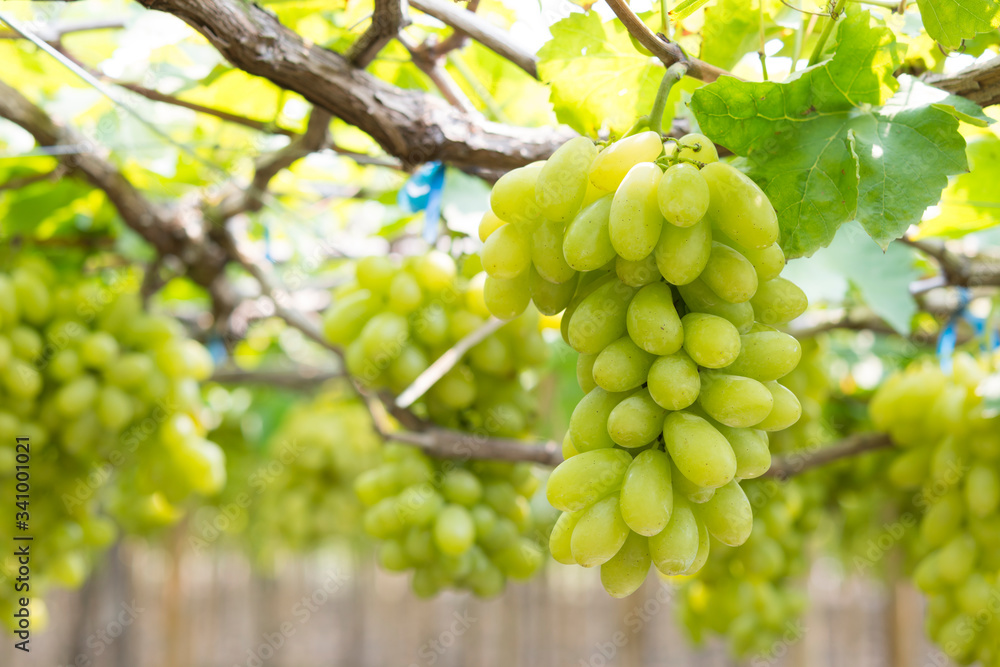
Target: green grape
(637, 273)
(588, 425)
(647, 497)
(435, 271)
(786, 410)
(635, 220)
(489, 224)
(636, 421)
(766, 355)
(614, 162)
(559, 540)
(710, 341)
(682, 253)
(100, 349)
(568, 449)
(507, 299)
(77, 397)
(982, 490)
(562, 182)
(694, 146)
(462, 487)
(408, 366)
(699, 451)
(652, 320)
(734, 400)
(624, 573)
(778, 301)
(585, 371)
(375, 273)
(910, 469)
(600, 319)
(384, 336)
(578, 482)
(506, 253)
(738, 207)
(729, 274)
(454, 531)
(699, 298)
(550, 298)
(750, 447)
(674, 382)
(547, 253)
(599, 533)
(674, 549)
(513, 196)
(768, 262)
(343, 321)
(404, 293)
(704, 550)
(622, 366)
(682, 195)
(727, 515)
(587, 241)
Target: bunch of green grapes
(315, 455)
(108, 398)
(459, 525)
(749, 594)
(950, 454)
(397, 317)
(669, 282)
(456, 525)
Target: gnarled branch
(411, 125)
(979, 83)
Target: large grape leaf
(824, 150)
(882, 280)
(951, 21)
(731, 29)
(598, 78)
(971, 202)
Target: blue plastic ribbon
(422, 192)
(949, 335)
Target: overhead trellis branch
(468, 23)
(668, 52)
(979, 83)
(389, 17)
(412, 125)
(855, 445)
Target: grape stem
(835, 13)
(673, 74)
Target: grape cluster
(396, 318)
(108, 397)
(669, 285)
(457, 525)
(319, 449)
(950, 444)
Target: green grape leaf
(881, 279)
(686, 8)
(730, 31)
(823, 150)
(971, 201)
(598, 79)
(951, 21)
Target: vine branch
(668, 52)
(793, 464)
